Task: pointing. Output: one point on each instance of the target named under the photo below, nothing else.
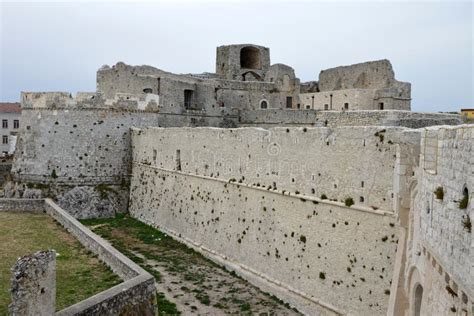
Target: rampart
(277, 117)
(248, 199)
(440, 249)
(85, 146)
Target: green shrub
(324, 197)
(439, 192)
(349, 201)
(322, 275)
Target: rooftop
(10, 107)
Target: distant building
(10, 120)
(468, 113)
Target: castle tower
(245, 62)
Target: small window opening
(361, 199)
(5, 139)
(16, 124)
(298, 106)
(346, 106)
(178, 160)
(381, 106)
(250, 58)
(188, 98)
(263, 104)
(289, 102)
(147, 90)
(362, 184)
(326, 106)
(308, 107)
(418, 300)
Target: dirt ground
(187, 283)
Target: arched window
(264, 104)
(418, 300)
(465, 199)
(250, 58)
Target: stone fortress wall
(251, 200)
(271, 118)
(261, 189)
(439, 274)
(365, 86)
(337, 162)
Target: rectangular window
(289, 102)
(178, 159)
(326, 106)
(16, 124)
(346, 106)
(188, 98)
(4, 123)
(5, 139)
(381, 106)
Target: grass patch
(141, 243)
(165, 307)
(79, 274)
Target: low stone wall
(134, 296)
(34, 285)
(22, 205)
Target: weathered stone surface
(32, 194)
(253, 197)
(441, 249)
(33, 288)
(92, 202)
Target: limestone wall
(447, 162)
(320, 257)
(356, 99)
(270, 118)
(229, 63)
(443, 254)
(211, 95)
(250, 200)
(369, 75)
(22, 205)
(33, 287)
(339, 163)
(85, 146)
(76, 146)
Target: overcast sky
(59, 46)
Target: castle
(330, 194)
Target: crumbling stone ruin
(324, 193)
(34, 285)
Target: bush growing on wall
(439, 192)
(349, 201)
(465, 199)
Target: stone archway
(417, 299)
(250, 58)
